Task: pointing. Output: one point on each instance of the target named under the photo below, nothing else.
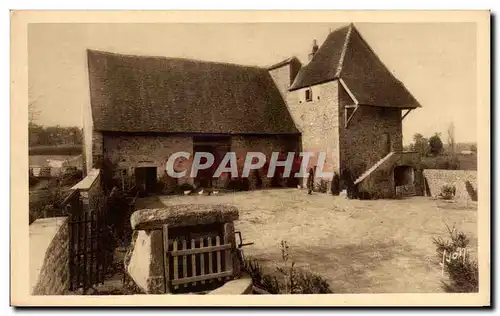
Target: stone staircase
(379, 163)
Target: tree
(451, 138)
(33, 111)
(420, 144)
(436, 144)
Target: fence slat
(217, 243)
(228, 239)
(210, 261)
(176, 265)
(165, 258)
(184, 261)
(202, 261)
(193, 260)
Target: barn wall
(128, 152)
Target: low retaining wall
(49, 268)
(436, 178)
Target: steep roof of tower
(346, 55)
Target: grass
(370, 246)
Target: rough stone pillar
(156, 279)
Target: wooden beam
(348, 119)
(408, 112)
(202, 277)
(187, 252)
(348, 91)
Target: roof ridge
(283, 62)
(173, 58)
(344, 49)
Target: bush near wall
(440, 162)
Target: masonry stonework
(436, 178)
(318, 121)
(284, 75)
(129, 152)
(365, 139)
(49, 262)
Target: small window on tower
(309, 95)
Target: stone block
(183, 215)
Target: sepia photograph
(258, 159)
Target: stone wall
(380, 183)
(49, 265)
(362, 143)
(129, 152)
(284, 75)
(318, 121)
(436, 178)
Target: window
(309, 95)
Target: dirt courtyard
(376, 246)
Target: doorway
(217, 146)
(145, 179)
(404, 179)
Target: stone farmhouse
(344, 102)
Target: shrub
(33, 180)
(322, 186)
(462, 272)
(47, 203)
(71, 176)
(293, 281)
(238, 184)
(335, 188)
(447, 191)
(440, 162)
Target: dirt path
(379, 246)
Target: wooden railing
(197, 261)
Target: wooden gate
(90, 249)
(190, 264)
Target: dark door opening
(145, 179)
(217, 146)
(404, 181)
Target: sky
(435, 61)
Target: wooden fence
(189, 263)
